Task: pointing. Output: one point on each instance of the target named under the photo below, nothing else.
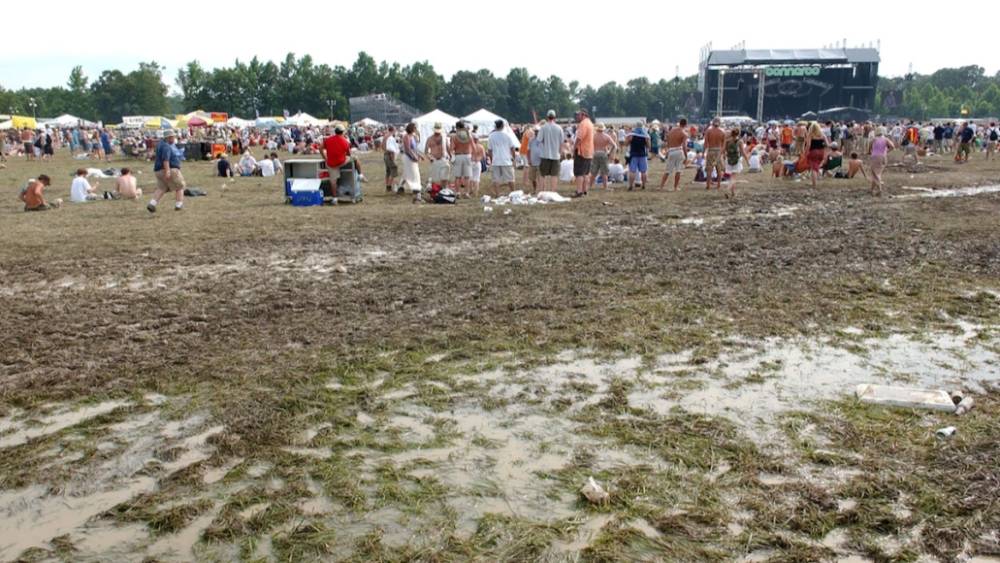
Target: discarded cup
(594, 493)
(946, 432)
(965, 406)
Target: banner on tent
(219, 117)
(134, 120)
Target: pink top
(880, 146)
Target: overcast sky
(570, 39)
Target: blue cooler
(306, 193)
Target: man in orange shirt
(786, 138)
(33, 198)
(583, 152)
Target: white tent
(486, 121)
(367, 122)
(303, 119)
(5, 125)
(425, 124)
(67, 120)
(239, 123)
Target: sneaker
(151, 208)
(178, 208)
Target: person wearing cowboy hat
(167, 168)
(437, 150)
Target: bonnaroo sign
(793, 71)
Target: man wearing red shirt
(336, 149)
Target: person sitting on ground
(777, 166)
(266, 166)
(223, 168)
(33, 197)
(834, 161)
(278, 167)
(125, 187)
(248, 164)
(754, 163)
(616, 172)
(566, 168)
(854, 166)
(80, 190)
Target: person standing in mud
(715, 137)
(879, 153)
(677, 139)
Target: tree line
(258, 88)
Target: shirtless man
(125, 187)
(460, 144)
(677, 140)
(715, 137)
(436, 151)
(604, 149)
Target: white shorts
(675, 161)
(477, 171)
(461, 167)
(440, 171)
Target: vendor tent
(67, 120)
(5, 125)
(21, 121)
(486, 121)
(158, 123)
(303, 119)
(425, 124)
(239, 123)
(367, 122)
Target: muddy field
(390, 382)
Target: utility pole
(722, 83)
(762, 81)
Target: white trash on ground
(906, 398)
(965, 406)
(946, 432)
(518, 197)
(593, 492)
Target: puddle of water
(955, 192)
(109, 541)
(54, 423)
(180, 546)
(584, 535)
(31, 517)
(793, 373)
(315, 453)
(216, 474)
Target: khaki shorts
(391, 170)
(713, 160)
(440, 171)
(532, 174)
(599, 164)
(675, 161)
(462, 166)
(173, 183)
(503, 174)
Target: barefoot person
(677, 139)
(391, 151)
(735, 152)
(411, 162)
(437, 151)
(816, 144)
(167, 168)
(879, 151)
(460, 146)
(715, 138)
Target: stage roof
(793, 56)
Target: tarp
(425, 124)
(486, 121)
(22, 121)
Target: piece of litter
(594, 492)
(965, 406)
(507, 211)
(946, 432)
(487, 209)
(607, 203)
(341, 269)
(905, 398)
